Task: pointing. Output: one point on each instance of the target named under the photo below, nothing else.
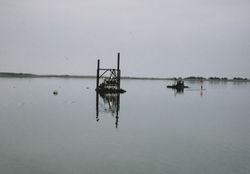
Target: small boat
(179, 85)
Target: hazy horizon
(146, 77)
(155, 38)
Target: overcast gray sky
(161, 38)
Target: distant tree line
(217, 78)
(225, 78)
(240, 78)
(195, 78)
(214, 78)
(10, 74)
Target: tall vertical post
(97, 106)
(97, 93)
(118, 61)
(97, 74)
(118, 86)
(118, 71)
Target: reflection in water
(178, 86)
(217, 82)
(178, 91)
(240, 83)
(110, 103)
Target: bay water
(53, 126)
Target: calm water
(158, 131)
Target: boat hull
(176, 87)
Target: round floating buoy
(55, 92)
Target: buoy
(55, 92)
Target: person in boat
(180, 83)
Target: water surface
(156, 131)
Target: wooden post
(117, 110)
(118, 61)
(118, 71)
(97, 106)
(97, 74)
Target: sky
(156, 38)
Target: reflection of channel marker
(55, 92)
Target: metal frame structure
(115, 75)
(110, 96)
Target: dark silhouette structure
(110, 104)
(179, 85)
(111, 83)
(109, 90)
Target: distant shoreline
(192, 78)
(27, 75)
